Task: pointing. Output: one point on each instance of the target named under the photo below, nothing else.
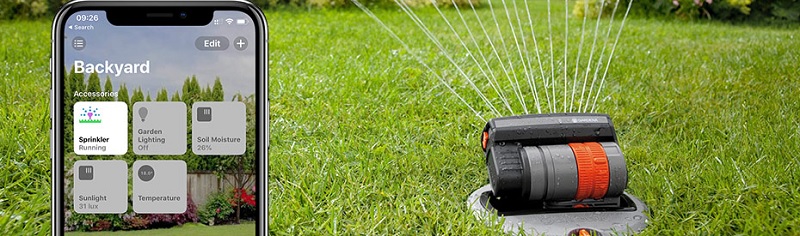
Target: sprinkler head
(557, 174)
(566, 160)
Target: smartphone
(159, 117)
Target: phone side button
(52, 97)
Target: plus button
(240, 43)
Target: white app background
(100, 128)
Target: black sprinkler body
(566, 169)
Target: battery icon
(240, 22)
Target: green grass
(708, 116)
(187, 229)
(24, 138)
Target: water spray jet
(554, 173)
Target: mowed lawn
(194, 229)
(362, 141)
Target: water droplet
(637, 217)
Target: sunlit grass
(366, 140)
(24, 138)
(195, 229)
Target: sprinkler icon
(143, 113)
(89, 115)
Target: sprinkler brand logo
(587, 120)
(89, 116)
(100, 128)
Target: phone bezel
(57, 93)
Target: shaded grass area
(187, 229)
(365, 140)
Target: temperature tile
(159, 186)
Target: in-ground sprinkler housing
(557, 174)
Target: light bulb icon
(143, 113)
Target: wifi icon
(229, 21)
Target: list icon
(78, 43)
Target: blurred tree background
(765, 11)
(756, 11)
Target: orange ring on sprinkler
(593, 174)
(485, 139)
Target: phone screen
(159, 124)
